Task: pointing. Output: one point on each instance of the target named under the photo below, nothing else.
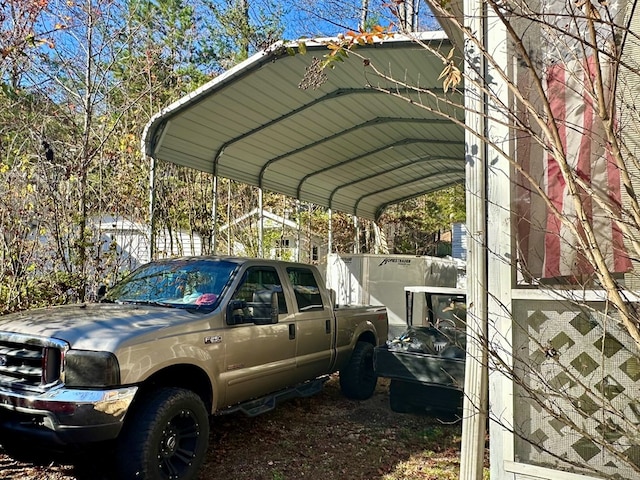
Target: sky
(313, 18)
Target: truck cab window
(306, 289)
(257, 285)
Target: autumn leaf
(450, 75)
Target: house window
(314, 253)
(283, 250)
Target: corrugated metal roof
(343, 145)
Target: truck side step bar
(264, 404)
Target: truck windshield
(177, 283)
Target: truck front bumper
(64, 416)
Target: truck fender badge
(211, 340)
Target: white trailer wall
(366, 279)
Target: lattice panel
(578, 407)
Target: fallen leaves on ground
(324, 437)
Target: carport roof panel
(343, 145)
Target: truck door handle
(327, 326)
(292, 331)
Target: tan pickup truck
(177, 341)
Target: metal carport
(342, 145)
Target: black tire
(357, 379)
(165, 437)
(398, 402)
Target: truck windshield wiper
(153, 303)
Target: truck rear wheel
(357, 379)
(165, 437)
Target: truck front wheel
(357, 379)
(165, 437)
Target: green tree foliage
(168, 46)
(243, 27)
(34, 207)
(419, 226)
(416, 226)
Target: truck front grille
(28, 362)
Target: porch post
(475, 385)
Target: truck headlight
(86, 368)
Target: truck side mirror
(235, 312)
(265, 307)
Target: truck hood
(102, 326)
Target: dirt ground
(324, 437)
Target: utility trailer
(426, 363)
(366, 279)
